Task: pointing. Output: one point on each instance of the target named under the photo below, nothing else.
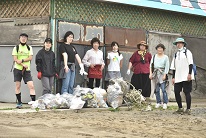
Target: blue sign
(196, 7)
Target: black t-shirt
(70, 50)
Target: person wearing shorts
(22, 55)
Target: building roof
(195, 7)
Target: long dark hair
(113, 44)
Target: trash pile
(94, 98)
(117, 92)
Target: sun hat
(142, 43)
(180, 40)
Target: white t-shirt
(115, 59)
(181, 65)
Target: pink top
(139, 67)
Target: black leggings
(187, 88)
(91, 82)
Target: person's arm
(85, 59)
(65, 58)
(121, 63)
(38, 62)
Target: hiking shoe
(157, 105)
(19, 105)
(179, 111)
(187, 111)
(164, 106)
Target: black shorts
(185, 85)
(18, 75)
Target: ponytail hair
(113, 44)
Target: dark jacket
(45, 63)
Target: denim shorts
(18, 75)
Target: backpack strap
(17, 48)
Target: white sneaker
(164, 106)
(157, 105)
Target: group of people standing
(145, 68)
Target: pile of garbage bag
(96, 98)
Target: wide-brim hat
(179, 40)
(142, 43)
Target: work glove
(39, 75)
(128, 71)
(81, 72)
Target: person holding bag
(94, 60)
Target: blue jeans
(157, 93)
(68, 83)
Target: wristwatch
(22, 60)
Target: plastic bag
(115, 95)
(99, 97)
(77, 103)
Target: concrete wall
(7, 84)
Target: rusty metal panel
(83, 33)
(134, 36)
(124, 36)
(114, 34)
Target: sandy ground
(100, 123)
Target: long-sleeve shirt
(93, 57)
(161, 62)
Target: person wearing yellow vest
(22, 55)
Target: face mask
(115, 50)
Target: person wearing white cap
(182, 65)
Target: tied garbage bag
(115, 95)
(100, 95)
(77, 103)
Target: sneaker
(179, 111)
(19, 105)
(157, 105)
(187, 111)
(164, 106)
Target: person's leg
(165, 97)
(17, 91)
(31, 89)
(65, 83)
(177, 90)
(97, 83)
(187, 88)
(91, 82)
(146, 85)
(51, 83)
(157, 93)
(136, 81)
(71, 82)
(28, 80)
(17, 80)
(46, 85)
